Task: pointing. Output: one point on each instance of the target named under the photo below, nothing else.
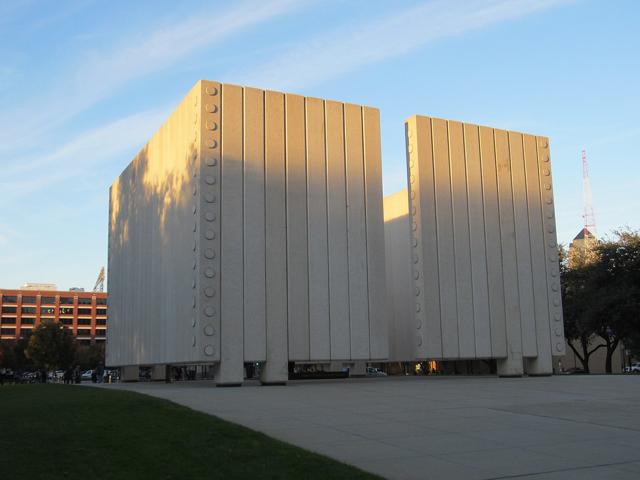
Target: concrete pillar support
(274, 373)
(541, 366)
(510, 367)
(227, 375)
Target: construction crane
(588, 215)
(99, 286)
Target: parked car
(375, 372)
(86, 375)
(633, 368)
(575, 371)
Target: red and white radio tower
(588, 215)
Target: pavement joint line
(560, 470)
(571, 420)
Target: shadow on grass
(71, 432)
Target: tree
(13, 354)
(615, 301)
(52, 346)
(578, 324)
(90, 356)
(601, 297)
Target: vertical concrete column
(231, 367)
(511, 366)
(129, 373)
(208, 232)
(275, 369)
(542, 364)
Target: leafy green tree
(601, 297)
(90, 356)
(51, 346)
(12, 354)
(615, 301)
(579, 327)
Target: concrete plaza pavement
(562, 427)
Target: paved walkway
(569, 427)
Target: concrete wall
(250, 229)
(400, 289)
(485, 263)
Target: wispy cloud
(350, 48)
(101, 73)
(81, 154)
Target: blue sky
(83, 85)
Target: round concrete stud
(193, 301)
(209, 292)
(193, 321)
(410, 147)
(556, 302)
(209, 273)
(558, 331)
(195, 264)
(210, 216)
(413, 194)
(414, 211)
(209, 330)
(417, 292)
(418, 308)
(416, 274)
(558, 347)
(194, 209)
(418, 323)
(414, 242)
(210, 198)
(412, 178)
(193, 284)
(551, 229)
(550, 214)
(414, 226)
(211, 108)
(209, 350)
(547, 186)
(193, 341)
(210, 253)
(557, 317)
(211, 161)
(211, 125)
(209, 311)
(210, 179)
(211, 90)
(195, 227)
(194, 190)
(212, 143)
(210, 235)
(419, 339)
(554, 286)
(416, 259)
(195, 245)
(546, 172)
(549, 201)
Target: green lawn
(72, 432)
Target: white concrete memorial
(475, 239)
(250, 229)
